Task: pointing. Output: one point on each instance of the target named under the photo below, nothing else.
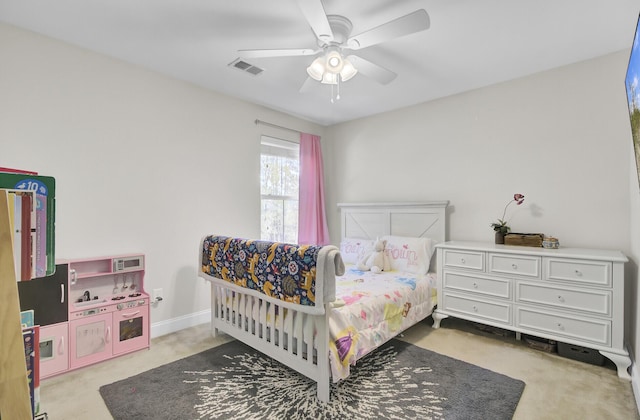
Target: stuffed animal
(376, 260)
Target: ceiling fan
(335, 63)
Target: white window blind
(279, 183)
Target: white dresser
(571, 295)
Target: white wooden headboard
(370, 220)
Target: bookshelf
(27, 242)
(14, 388)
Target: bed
(295, 302)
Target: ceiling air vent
(246, 67)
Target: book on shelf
(31, 337)
(27, 234)
(17, 171)
(36, 370)
(27, 318)
(15, 221)
(23, 224)
(32, 216)
(41, 235)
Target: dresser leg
(437, 317)
(622, 363)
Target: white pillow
(353, 249)
(409, 253)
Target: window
(279, 171)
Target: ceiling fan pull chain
(337, 84)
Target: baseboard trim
(635, 384)
(176, 324)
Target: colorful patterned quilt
(294, 274)
(372, 308)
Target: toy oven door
(130, 326)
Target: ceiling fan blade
(307, 85)
(314, 12)
(374, 71)
(292, 52)
(405, 25)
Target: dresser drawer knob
(578, 273)
(514, 266)
(560, 298)
(560, 326)
(475, 285)
(475, 308)
(462, 261)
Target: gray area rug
(397, 381)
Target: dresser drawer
(482, 285)
(597, 302)
(580, 271)
(475, 308)
(577, 328)
(514, 265)
(464, 259)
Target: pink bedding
(372, 308)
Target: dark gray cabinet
(47, 296)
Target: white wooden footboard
(295, 339)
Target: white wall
(560, 137)
(633, 292)
(143, 163)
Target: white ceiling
(470, 44)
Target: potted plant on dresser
(501, 227)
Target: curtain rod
(276, 126)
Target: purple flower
(501, 225)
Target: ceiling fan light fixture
(329, 78)
(348, 71)
(334, 62)
(331, 68)
(316, 69)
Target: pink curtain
(312, 219)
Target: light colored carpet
(557, 388)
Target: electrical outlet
(157, 295)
